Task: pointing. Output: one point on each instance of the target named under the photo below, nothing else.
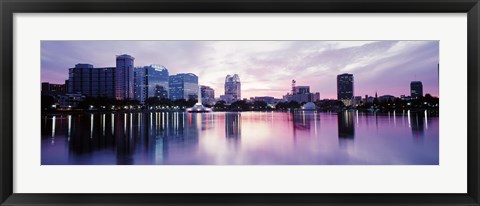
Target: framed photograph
(252, 103)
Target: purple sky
(266, 68)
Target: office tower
(344, 86)
(124, 77)
(92, 82)
(233, 87)
(183, 86)
(416, 89)
(151, 81)
(208, 95)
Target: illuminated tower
(124, 86)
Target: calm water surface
(248, 138)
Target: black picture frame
(10, 7)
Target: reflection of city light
(103, 124)
(113, 126)
(53, 129)
(394, 119)
(91, 126)
(139, 118)
(163, 120)
(131, 124)
(357, 116)
(303, 117)
(125, 123)
(69, 126)
(426, 120)
(408, 113)
(388, 117)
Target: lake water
(245, 138)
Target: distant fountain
(198, 107)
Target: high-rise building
(344, 86)
(124, 85)
(183, 86)
(151, 81)
(208, 95)
(301, 89)
(416, 89)
(301, 94)
(91, 82)
(53, 89)
(233, 87)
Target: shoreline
(363, 111)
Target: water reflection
(233, 124)
(302, 123)
(346, 129)
(266, 138)
(418, 124)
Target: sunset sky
(266, 68)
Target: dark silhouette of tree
(47, 101)
(260, 105)
(220, 105)
(330, 105)
(240, 105)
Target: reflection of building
(301, 94)
(183, 86)
(151, 81)
(53, 89)
(301, 120)
(417, 124)
(124, 77)
(92, 82)
(233, 87)
(179, 136)
(345, 88)
(346, 128)
(208, 95)
(416, 89)
(233, 124)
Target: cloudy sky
(266, 68)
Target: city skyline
(266, 68)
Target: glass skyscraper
(124, 85)
(91, 82)
(183, 86)
(151, 81)
(233, 87)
